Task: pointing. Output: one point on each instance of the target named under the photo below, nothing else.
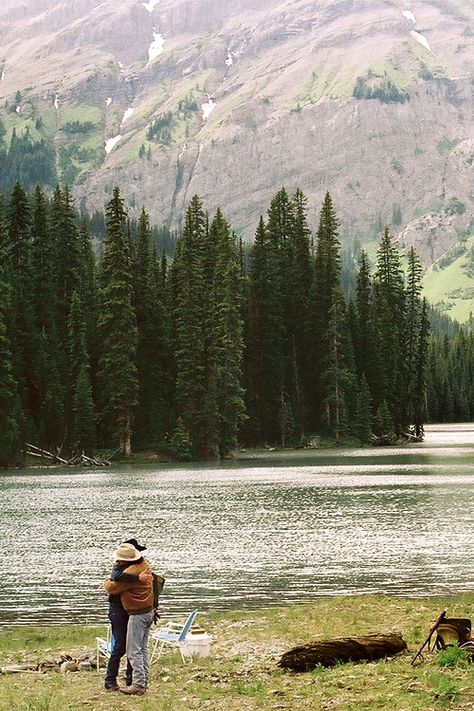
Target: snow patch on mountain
(229, 61)
(56, 102)
(208, 108)
(127, 115)
(409, 16)
(111, 143)
(421, 39)
(150, 5)
(156, 47)
(2, 75)
(108, 102)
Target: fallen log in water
(346, 649)
(79, 459)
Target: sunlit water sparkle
(270, 528)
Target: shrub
(453, 656)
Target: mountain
(231, 99)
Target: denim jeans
(119, 621)
(137, 647)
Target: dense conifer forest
(191, 346)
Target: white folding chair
(104, 646)
(172, 634)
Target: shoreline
(241, 672)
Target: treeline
(25, 160)
(192, 354)
(450, 381)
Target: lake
(268, 529)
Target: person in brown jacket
(137, 599)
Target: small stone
(68, 666)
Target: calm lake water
(270, 529)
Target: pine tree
(180, 444)
(298, 326)
(22, 334)
(117, 331)
(268, 357)
(189, 299)
(280, 310)
(151, 354)
(419, 395)
(67, 262)
(11, 415)
(412, 336)
(383, 423)
(228, 347)
(49, 415)
(389, 323)
(325, 290)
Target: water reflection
(264, 530)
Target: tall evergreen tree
(268, 358)
(411, 335)
(189, 316)
(21, 329)
(298, 295)
(49, 413)
(327, 270)
(117, 331)
(151, 354)
(228, 346)
(389, 321)
(419, 395)
(11, 415)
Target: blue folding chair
(172, 634)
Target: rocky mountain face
(231, 99)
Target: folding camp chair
(172, 634)
(104, 646)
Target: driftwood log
(78, 459)
(347, 649)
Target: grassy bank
(241, 673)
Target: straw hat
(127, 552)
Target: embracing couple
(130, 589)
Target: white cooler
(196, 644)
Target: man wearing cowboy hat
(135, 591)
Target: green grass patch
(449, 282)
(81, 113)
(447, 144)
(433, 207)
(241, 672)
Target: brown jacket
(136, 597)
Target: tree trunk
(126, 443)
(347, 649)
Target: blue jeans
(119, 622)
(137, 647)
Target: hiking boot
(112, 687)
(135, 690)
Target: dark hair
(135, 544)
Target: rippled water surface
(271, 528)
